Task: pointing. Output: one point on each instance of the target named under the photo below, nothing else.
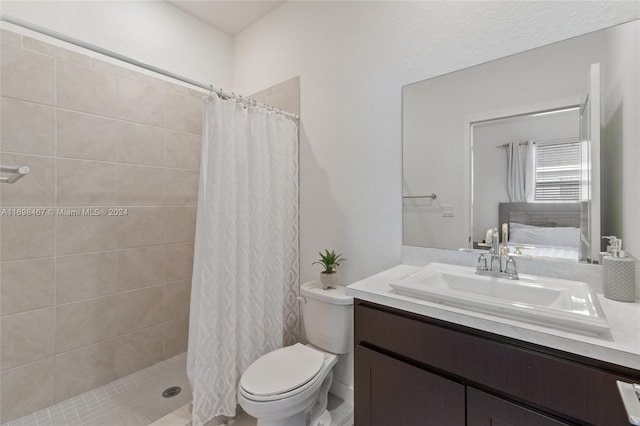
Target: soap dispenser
(618, 273)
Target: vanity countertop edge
(621, 345)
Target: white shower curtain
(245, 278)
(521, 171)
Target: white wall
(153, 32)
(353, 59)
(621, 137)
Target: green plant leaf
(329, 260)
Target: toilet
(290, 386)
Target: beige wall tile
(183, 113)
(181, 187)
(87, 332)
(176, 337)
(138, 350)
(57, 51)
(140, 144)
(35, 189)
(25, 237)
(83, 89)
(27, 337)
(144, 226)
(141, 267)
(140, 185)
(262, 96)
(84, 276)
(286, 101)
(26, 389)
(177, 296)
(181, 224)
(27, 127)
(284, 96)
(165, 85)
(197, 93)
(79, 234)
(139, 309)
(112, 68)
(140, 103)
(179, 264)
(84, 369)
(86, 183)
(88, 137)
(10, 38)
(83, 323)
(27, 75)
(182, 150)
(27, 285)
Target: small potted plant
(330, 262)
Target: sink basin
(557, 303)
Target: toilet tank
(328, 316)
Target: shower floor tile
(130, 401)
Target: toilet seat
(283, 373)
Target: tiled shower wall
(88, 298)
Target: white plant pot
(329, 280)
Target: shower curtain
(521, 172)
(245, 278)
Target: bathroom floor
(130, 401)
(341, 415)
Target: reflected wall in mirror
(575, 151)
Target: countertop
(621, 345)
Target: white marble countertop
(621, 345)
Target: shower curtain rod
(546, 141)
(97, 49)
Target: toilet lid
(282, 370)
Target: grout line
(55, 157)
(55, 228)
(96, 252)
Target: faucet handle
(482, 263)
(510, 268)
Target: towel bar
(16, 173)
(432, 196)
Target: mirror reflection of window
(557, 171)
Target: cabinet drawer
(565, 388)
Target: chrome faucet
(494, 268)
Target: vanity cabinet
(415, 370)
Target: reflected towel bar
(17, 173)
(432, 196)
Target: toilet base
(323, 420)
(295, 420)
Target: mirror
(561, 113)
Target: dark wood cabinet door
(391, 392)
(488, 410)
